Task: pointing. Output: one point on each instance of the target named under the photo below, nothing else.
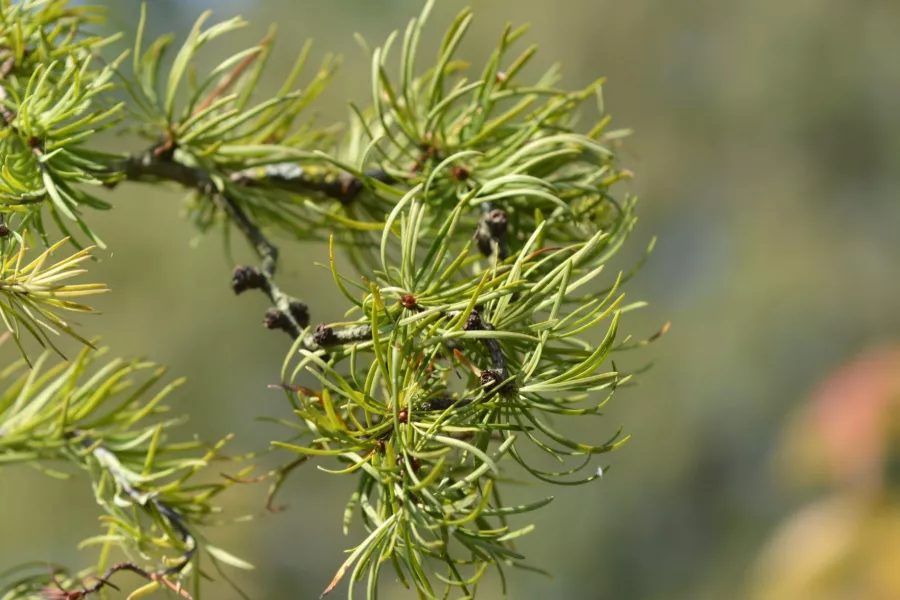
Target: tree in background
(476, 220)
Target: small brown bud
(460, 173)
(409, 301)
(403, 417)
(4, 230)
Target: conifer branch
(293, 178)
(292, 315)
(108, 460)
(59, 593)
(157, 164)
(288, 313)
(477, 219)
(328, 336)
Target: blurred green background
(767, 157)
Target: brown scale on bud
(403, 417)
(4, 230)
(247, 278)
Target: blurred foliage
(846, 544)
(99, 419)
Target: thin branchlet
(58, 593)
(153, 165)
(290, 177)
(110, 462)
(497, 376)
(328, 336)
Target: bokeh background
(767, 157)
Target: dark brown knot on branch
(247, 278)
(276, 319)
(324, 335)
